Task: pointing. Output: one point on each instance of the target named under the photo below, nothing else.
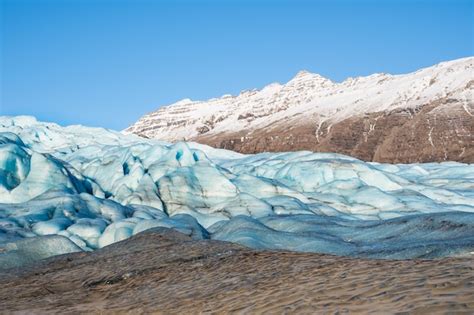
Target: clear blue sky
(107, 62)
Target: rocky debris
(167, 272)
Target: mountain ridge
(423, 116)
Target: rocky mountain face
(424, 116)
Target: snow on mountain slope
(92, 187)
(428, 113)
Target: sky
(108, 62)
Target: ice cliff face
(93, 187)
(422, 116)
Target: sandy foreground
(163, 271)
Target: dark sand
(166, 272)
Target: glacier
(76, 188)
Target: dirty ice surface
(82, 188)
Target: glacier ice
(27, 250)
(93, 187)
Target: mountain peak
(303, 73)
(304, 76)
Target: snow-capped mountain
(427, 115)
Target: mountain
(424, 116)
